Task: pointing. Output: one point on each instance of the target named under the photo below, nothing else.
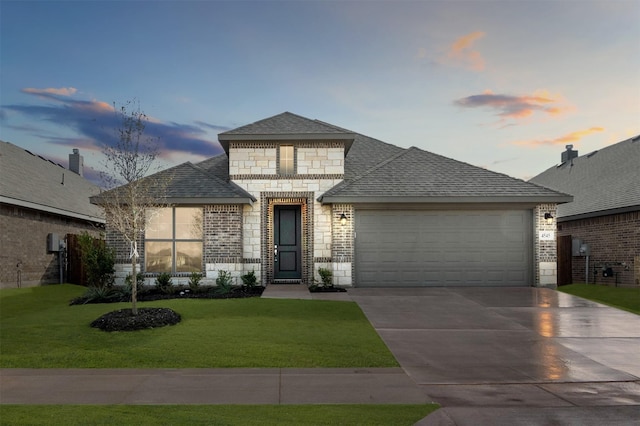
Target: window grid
(179, 250)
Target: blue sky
(499, 84)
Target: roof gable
(32, 181)
(603, 181)
(187, 183)
(286, 127)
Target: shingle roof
(289, 127)
(375, 171)
(285, 124)
(414, 175)
(32, 181)
(218, 166)
(601, 182)
(193, 184)
(366, 153)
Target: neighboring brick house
(604, 217)
(39, 198)
(290, 195)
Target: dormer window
(286, 160)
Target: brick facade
(24, 252)
(222, 234)
(612, 239)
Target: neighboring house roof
(286, 126)
(414, 175)
(31, 181)
(193, 184)
(602, 182)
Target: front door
(287, 259)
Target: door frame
(267, 202)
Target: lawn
(69, 415)
(627, 298)
(38, 329)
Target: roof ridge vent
(591, 154)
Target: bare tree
(132, 195)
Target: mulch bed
(323, 289)
(124, 320)
(147, 318)
(150, 294)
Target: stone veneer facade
(319, 166)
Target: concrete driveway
(512, 355)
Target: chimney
(76, 162)
(569, 154)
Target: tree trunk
(134, 280)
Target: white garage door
(443, 248)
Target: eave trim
(444, 199)
(49, 209)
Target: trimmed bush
(249, 279)
(165, 283)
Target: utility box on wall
(578, 248)
(53, 243)
(575, 246)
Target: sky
(503, 85)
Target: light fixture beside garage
(549, 218)
(343, 219)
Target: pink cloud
(515, 106)
(461, 52)
(572, 137)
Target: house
(599, 231)
(40, 203)
(291, 194)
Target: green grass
(627, 298)
(214, 414)
(38, 329)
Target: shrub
(249, 279)
(164, 283)
(224, 282)
(194, 280)
(97, 259)
(326, 275)
(99, 294)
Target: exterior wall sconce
(343, 219)
(548, 218)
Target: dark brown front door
(564, 260)
(287, 259)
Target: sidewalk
(209, 386)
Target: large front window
(173, 240)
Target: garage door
(443, 248)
